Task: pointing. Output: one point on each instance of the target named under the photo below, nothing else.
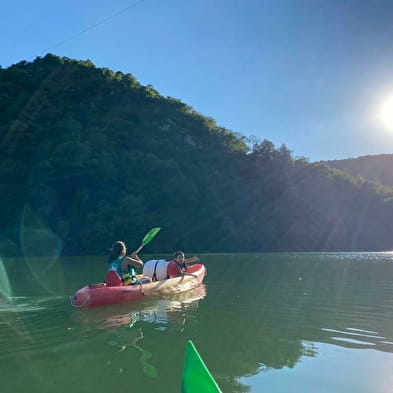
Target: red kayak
(103, 294)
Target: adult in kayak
(122, 264)
(178, 265)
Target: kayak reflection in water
(148, 369)
(144, 356)
(178, 265)
(122, 264)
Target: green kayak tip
(196, 376)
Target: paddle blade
(149, 236)
(196, 376)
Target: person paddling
(124, 265)
(178, 265)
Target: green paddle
(196, 376)
(148, 237)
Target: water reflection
(362, 339)
(269, 322)
(272, 318)
(144, 360)
(290, 303)
(127, 323)
(160, 311)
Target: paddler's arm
(192, 259)
(133, 260)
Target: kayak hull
(102, 294)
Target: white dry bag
(156, 269)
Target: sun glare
(386, 113)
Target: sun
(386, 113)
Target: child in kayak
(178, 265)
(123, 265)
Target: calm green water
(262, 322)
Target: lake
(277, 323)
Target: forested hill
(377, 168)
(90, 156)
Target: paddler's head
(119, 249)
(178, 256)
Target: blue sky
(311, 74)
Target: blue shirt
(115, 265)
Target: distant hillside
(376, 168)
(89, 156)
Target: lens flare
(41, 251)
(5, 287)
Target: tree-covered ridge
(89, 156)
(377, 168)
